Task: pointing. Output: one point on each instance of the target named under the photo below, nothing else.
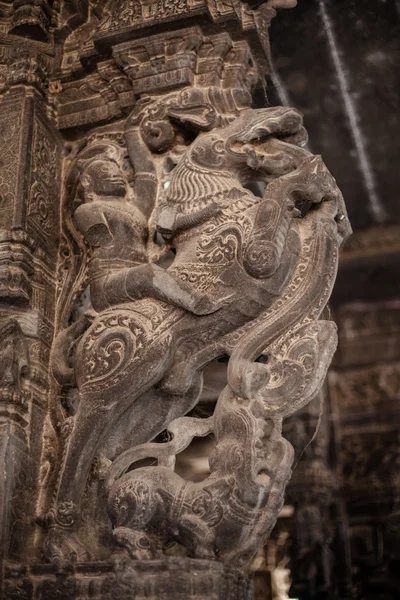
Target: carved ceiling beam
(194, 36)
(156, 65)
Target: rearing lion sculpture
(247, 270)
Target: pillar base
(166, 579)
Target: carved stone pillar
(320, 563)
(29, 189)
(365, 388)
(154, 222)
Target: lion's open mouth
(273, 143)
(262, 142)
(272, 156)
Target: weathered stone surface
(154, 221)
(236, 255)
(184, 578)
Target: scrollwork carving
(267, 265)
(42, 211)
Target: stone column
(320, 564)
(364, 387)
(131, 144)
(30, 190)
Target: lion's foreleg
(263, 254)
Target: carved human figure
(14, 358)
(115, 225)
(219, 282)
(112, 225)
(117, 229)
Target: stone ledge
(172, 578)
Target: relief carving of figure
(250, 272)
(14, 359)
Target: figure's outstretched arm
(170, 223)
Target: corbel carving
(169, 226)
(158, 66)
(251, 277)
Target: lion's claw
(63, 547)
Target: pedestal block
(165, 579)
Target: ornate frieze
(192, 579)
(157, 64)
(153, 61)
(43, 217)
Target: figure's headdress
(99, 152)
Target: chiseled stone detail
(130, 580)
(251, 276)
(153, 222)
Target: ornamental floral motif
(43, 193)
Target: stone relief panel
(10, 126)
(43, 216)
(242, 266)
